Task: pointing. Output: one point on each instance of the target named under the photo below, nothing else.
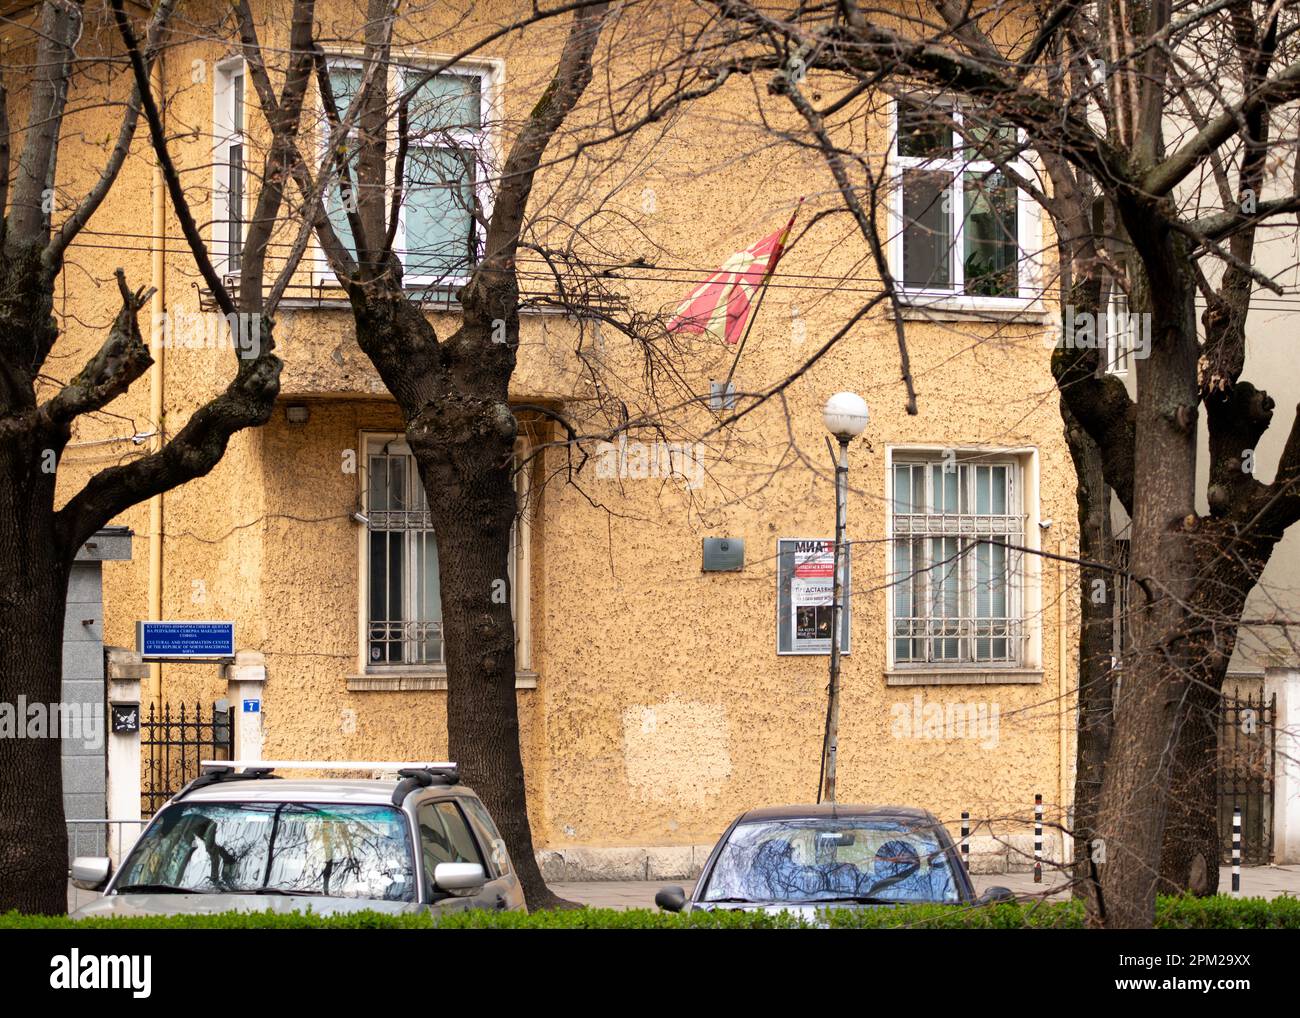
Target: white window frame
(484, 143)
(224, 135)
(1025, 599)
(519, 566)
(1119, 335)
(1028, 220)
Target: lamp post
(845, 417)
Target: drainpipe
(1063, 675)
(158, 280)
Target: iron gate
(1246, 756)
(173, 743)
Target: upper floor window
(443, 198)
(957, 577)
(228, 165)
(962, 226)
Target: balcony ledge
(433, 679)
(962, 676)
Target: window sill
(405, 682)
(992, 676)
(940, 308)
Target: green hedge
(1183, 913)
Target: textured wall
(661, 707)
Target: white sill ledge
(926, 308)
(963, 676)
(405, 682)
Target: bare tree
(453, 392)
(37, 540)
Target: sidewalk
(1256, 882)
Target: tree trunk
(1189, 860)
(1157, 672)
(1189, 857)
(465, 448)
(1098, 592)
(33, 595)
(462, 432)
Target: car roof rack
(214, 772)
(413, 776)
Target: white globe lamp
(845, 415)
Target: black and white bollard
(1038, 839)
(1236, 851)
(965, 841)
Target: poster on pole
(806, 597)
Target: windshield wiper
(857, 899)
(288, 894)
(729, 901)
(156, 889)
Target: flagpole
(758, 304)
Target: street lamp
(845, 417)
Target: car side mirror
(997, 896)
(90, 873)
(459, 877)
(671, 899)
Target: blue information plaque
(185, 641)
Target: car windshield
(343, 851)
(832, 859)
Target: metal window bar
(1247, 757)
(940, 541)
(173, 743)
(405, 613)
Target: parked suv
(241, 836)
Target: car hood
(209, 904)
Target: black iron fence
(172, 744)
(1247, 749)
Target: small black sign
(126, 717)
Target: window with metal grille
(403, 598)
(956, 576)
(404, 604)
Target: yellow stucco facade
(654, 705)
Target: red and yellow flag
(721, 304)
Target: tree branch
(122, 359)
(33, 190)
(172, 179)
(80, 216)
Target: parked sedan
(801, 859)
(234, 839)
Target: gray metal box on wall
(724, 554)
